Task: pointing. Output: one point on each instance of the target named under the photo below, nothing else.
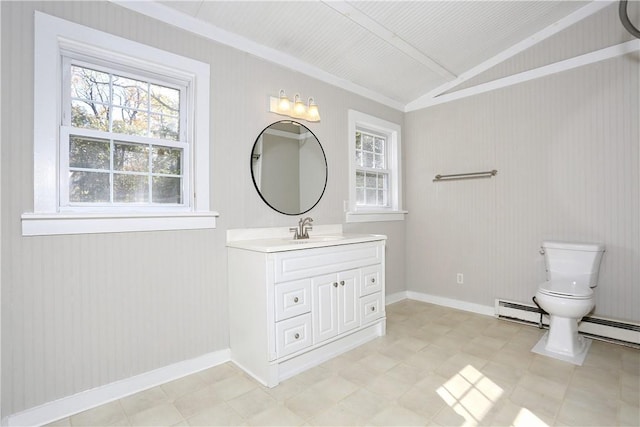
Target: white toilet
(567, 295)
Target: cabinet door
(325, 309)
(348, 293)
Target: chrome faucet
(302, 230)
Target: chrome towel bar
(471, 175)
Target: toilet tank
(578, 262)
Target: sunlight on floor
(472, 395)
(526, 418)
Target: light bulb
(298, 106)
(284, 104)
(312, 111)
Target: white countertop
(279, 242)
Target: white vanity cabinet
(335, 304)
(293, 309)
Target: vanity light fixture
(295, 109)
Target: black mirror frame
(253, 178)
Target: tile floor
(436, 366)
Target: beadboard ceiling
(395, 52)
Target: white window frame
(55, 36)
(392, 131)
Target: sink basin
(313, 239)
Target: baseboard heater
(624, 333)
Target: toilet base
(576, 358)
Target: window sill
(373, 216)
(34, 224)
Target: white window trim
(395, 212)
(53, 34)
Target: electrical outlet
(460, 278)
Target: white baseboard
(398, 296)
(452, 303)
(70, 405)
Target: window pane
(359, 158)
(167, 189)
(89, 84)
(165, 127)
(88, 153)
(165, 100)
(89, 115)
(167, 160)
(382, 181)
(130, 188)
(91, 187)
(378, 161)
(130, 158)
(359, 179)
(130, 122)
(371, 180)
(360, 196)
(367, 142)
(368, 160)
(371, 197)
(379, 145)
(130, 93)
(358, 141)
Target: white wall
(83, 311)
(566, 148)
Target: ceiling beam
(430, 97)
(380, 31)
(546, 70)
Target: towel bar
(471, 175)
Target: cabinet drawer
(371, 280)
(371, 307)
(292, 299)
(294, 265)
(293, 335)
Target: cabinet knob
(342, 282)
(373, 280)
(296, 336)
(295, 299)
(335, 284)
(373, 309)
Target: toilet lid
(566, 288)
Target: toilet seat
(565, 289)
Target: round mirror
(288, 167)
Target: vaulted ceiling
(395, 52)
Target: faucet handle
(295, 233)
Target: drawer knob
(335, 284)
(342, 282)
(295, 299)
(373, 309)
(373, 280)
(296, 336)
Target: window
(372, 174)
(121, 137)
(375, 190)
